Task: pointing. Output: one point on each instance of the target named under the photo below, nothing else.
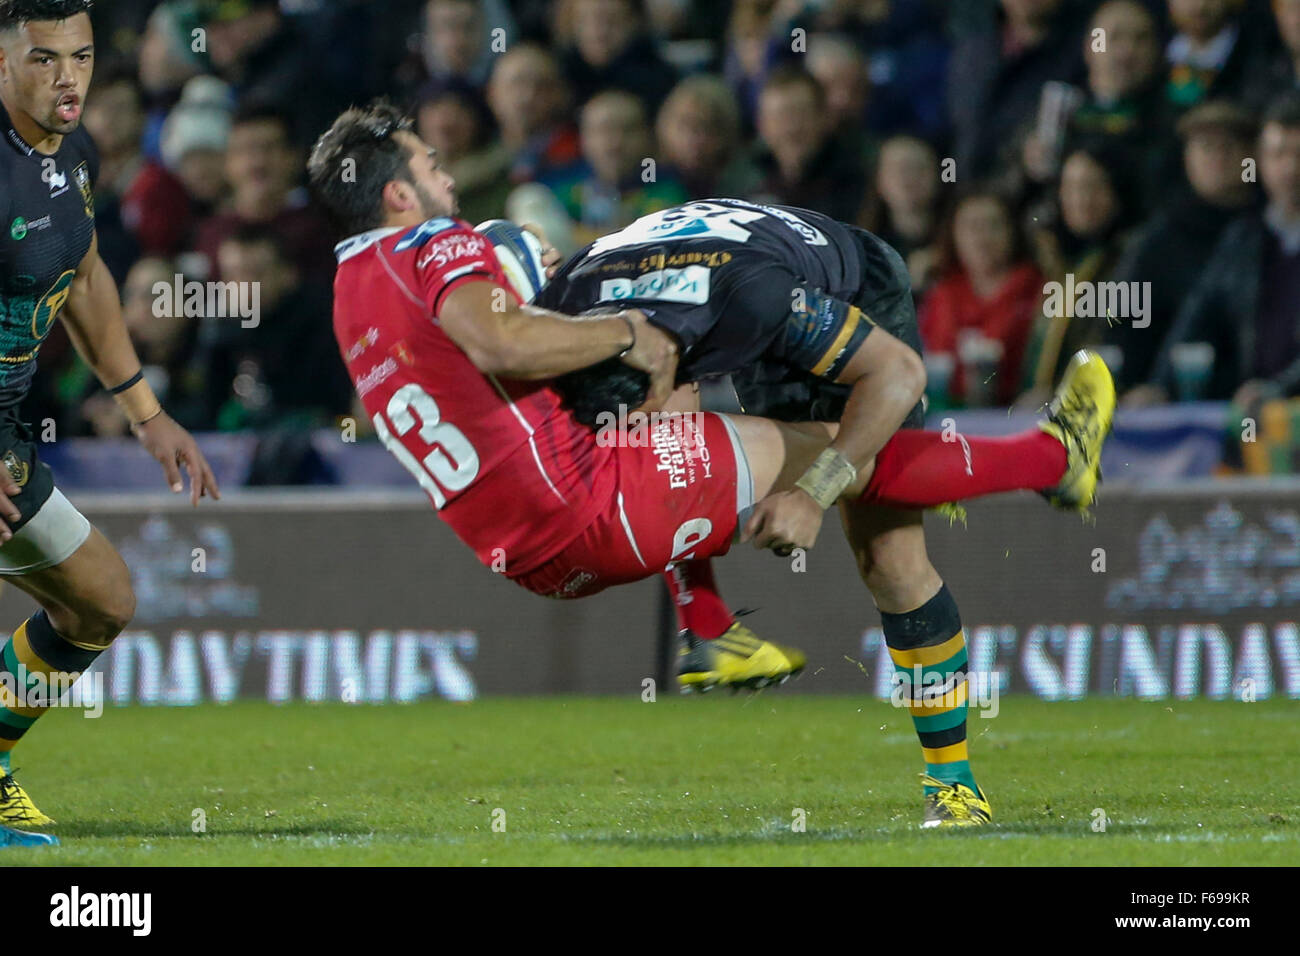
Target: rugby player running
(50, 268)
(457, 378)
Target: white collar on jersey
(353, 244)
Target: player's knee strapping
(928, 648)
(36, 667)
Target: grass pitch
(714, 780)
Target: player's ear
(398, 195)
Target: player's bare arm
(92, 315)
(532, 343)
(888, 379)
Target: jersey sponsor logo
(368, 338)
(424, 232)
(375, 377)
(668, 285)
(698, 220)
(678, 444)
(18, 229)
(810, 234)
(448, 250)
(689, 536)
(81, 176)
(575, 581)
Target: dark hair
(1284, 111)
(454, 88)
(14, 13)
(948, 260)
(256, 234)
(120, 73)
(602, 388)
(353, 161)
(261, 111)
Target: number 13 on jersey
(450, 463)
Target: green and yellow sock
(928, 648)
(34, 655)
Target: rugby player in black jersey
(772, 307)
(50, 269)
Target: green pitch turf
(711, 780)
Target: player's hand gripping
(655, 353)
(784, 521)
(174, 447)
(551, 257)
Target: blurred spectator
(1171, 251)
(614, 185)
(453, 119)
(528, 99)
(612, 50)
(903, 207)
(1209, 55)
(167, 346)
(1123, 100)
(750, 53)
(1248, 296)
(150, 201)
(1275, 74)
(194, 140)
(902, 43)
(841, 69)
(263, 169)
(1095, 203)
(699, 139)
(991, 289)
(266, 59)
(456, 43)
(801, 161)
(166, 61)
(285, 367)
(996, 77)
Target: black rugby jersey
(48, 222)
(723, 275)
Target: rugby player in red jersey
(457, 378)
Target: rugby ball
(520, 255)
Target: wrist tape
(827, 477)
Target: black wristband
(118, 389)
(631, 328)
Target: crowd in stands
(1002, 146)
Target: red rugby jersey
(506, 467)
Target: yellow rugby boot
(954, 805)
(16, 808)
(1080, 417)
(737, 658)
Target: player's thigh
(889, 548)
(89, 591)
(778, 453)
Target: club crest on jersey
(402, 352)
(18, 469)
(81, 176)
